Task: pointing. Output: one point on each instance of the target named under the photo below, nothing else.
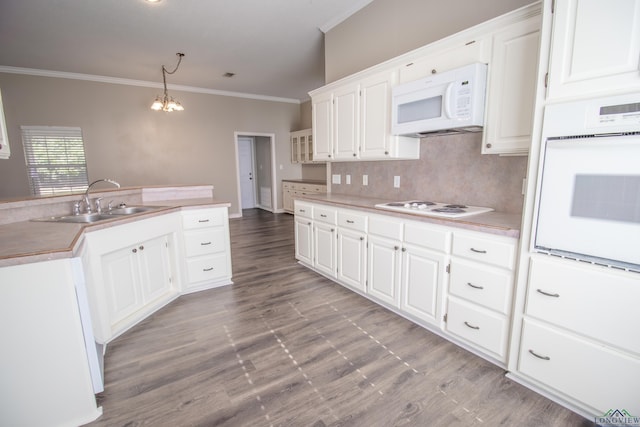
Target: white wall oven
(588, 205)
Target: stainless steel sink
(81, 219)
(131, 210)
(89, 218)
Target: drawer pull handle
(471, 326)
(301, 210)
(207, 269)
(349, 221)
(474, 286)
(203, 220)
(323, 215)
(547, 293)
(538, 356)
(478, 251)
(205, 243)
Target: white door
(246, 162)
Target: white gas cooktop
(427, 208)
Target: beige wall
(134, 145)
(387, 28)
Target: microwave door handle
(447, 100)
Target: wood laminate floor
(284, 346)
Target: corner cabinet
(132, 270)
(302, 146)
(595, 48)
(352, 121)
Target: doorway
(255, 161)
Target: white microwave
(443, 103)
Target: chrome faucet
(85, 198)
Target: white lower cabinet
(383, 281)
(579, 337)
(207, 249)
(303, 232)
(136, 276)
(480, 292)
(352, 258)
(324, 240)
(422, 274)
(131, 270)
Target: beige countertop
(500, 223)
(306, 181)
(34, 241)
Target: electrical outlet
(336, 179)
(365, 179)
(347, 179)
(396, 181)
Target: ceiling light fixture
(166, 103)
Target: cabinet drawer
(205, 242)
(427, 236)
(203, 218)
(592, 374)
(207, 268)
(481, 327)
(603, 304)
(352, 220)
(323, 214)
(385, 226)
(487, 249)
(302, 209)
(481, 285)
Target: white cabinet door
(155, 271)
(136, 276)
(352, 253)
(346, 116)
(304, 240)
(375, 116)
(421, 273)
(511, 88)
(453, 57)
(324, 248)
(122, 283)
(595, 48)
(383, 272)
(322, 126)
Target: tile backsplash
(450, 169)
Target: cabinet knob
(488, 145)
(386, 153)
(404, 249)
(395, 248)
(434, 71)
(354, 154)
(141, 248)
(134, 250)
(361, 238)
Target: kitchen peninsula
(68, 289)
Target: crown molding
(139, 83)
(357, 5)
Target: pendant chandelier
(166, 103)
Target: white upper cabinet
(463, 53)
(595, 48)
(322, 126)
(511, 88)
(346, 113)
(353, 122)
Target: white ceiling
(274, 47)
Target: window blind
(55, 159)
